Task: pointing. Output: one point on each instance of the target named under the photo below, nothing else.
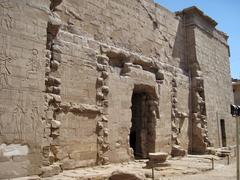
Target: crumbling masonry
(89, 82)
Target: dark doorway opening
(135, 132)
(142, 132)
(223, 133)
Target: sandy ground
(187, 168)
(222, 171)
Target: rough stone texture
(159, 157)
(89, 82)
(210, 82)
(118, 175)
(22, 64)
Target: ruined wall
(138, 26)
(22, 64)
(69, 72)
(213, 55)
(210, 80)
(147, 36)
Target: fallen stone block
(122, 175)
(159, 157)
(52, 170)
(177, 151)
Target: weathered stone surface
(178, 151)
(84, 82)
(119, 175)
(56, 124)
(52, 170)
(158, 157)
(13, 150)
(72, 164)
(160, 75)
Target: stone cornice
(194, 10)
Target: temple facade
(89, 82)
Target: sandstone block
(177, 151)
(47, 70)
(174, 100)
(57, 57)
(102, 59)
(72, 164)
(100, 140)
(101, 67)
(158, 157)
(100, 125)
(120, 175)
(105, 89)
(100, 96)
(55, 132)
(105, 131)
(104, 119)
(105, 103)
(56, 90)
(105, 75)
(56, 124)
(54, 65)
(159, 75)
(48, 171)
(106, 160)
(57, 48)
(20, 158)
(56, 98)
(100, 82)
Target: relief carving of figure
(18, 117)
(4, 71)
(2, 111)
(33, 63)
(16, 125)
(7, 21)
(35, 120)
(6, 17)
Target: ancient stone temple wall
(89, 82)
(22, 84)
(210, 81)
(104, 54)
(217, 83)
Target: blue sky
(226, 13)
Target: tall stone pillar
(195, 20)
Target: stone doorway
(142, 132)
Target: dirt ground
(187, 168)
(221, 171)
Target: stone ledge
(80, 108)
(196, 11)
